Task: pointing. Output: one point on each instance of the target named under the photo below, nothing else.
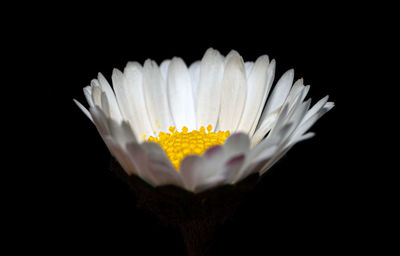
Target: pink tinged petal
(255, 89)
(113, 105)
(209, 90)
(233, 94)
(136, 107)
(201, 173)
(267, 88)
(212, 174)
(155, 94)
(160, 172)
(84, 110)
(232, 167)
(237, 143)
(180, 95)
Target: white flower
(223, 92)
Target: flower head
(212, 123)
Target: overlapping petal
(226, 92)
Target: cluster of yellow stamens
(177, 144)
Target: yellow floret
(177, 145)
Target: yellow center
(177, 144)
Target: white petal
(305, 92)
(280, 143)
(122, 133)
(194, 71)
(272, 161)
(282, 152)
(121, 93)
(155, 94)
(160, 172)
(257, 153)
(96, 94)
(209, 91)
(138, 157)
(232, 53)
(308, 122)
(136, 106)
(267, 88)
(265, 127)
(84, 110)
(280, 122)
(120, 154)
(298, 114)
(255, 89)
(180, 95)
(329, 105)
(164, 69)
(233, 94)
(297, 139)
(248, 66)
(105, 105)
(88, 95)
(279, 94)
(296, 89)
(100, 120)
(317, 106)
(113, 105)
(125, 98)
(251, 167)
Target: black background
(313, 200)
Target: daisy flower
(210, 124)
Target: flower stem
(198, 235)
